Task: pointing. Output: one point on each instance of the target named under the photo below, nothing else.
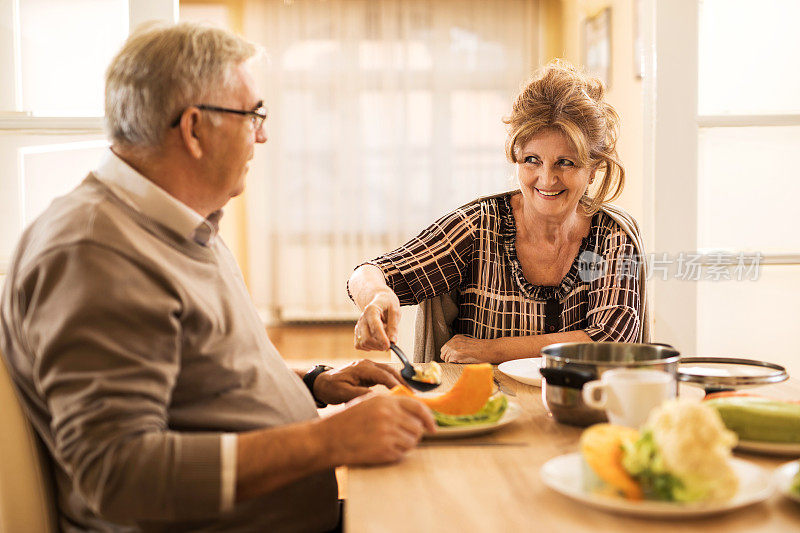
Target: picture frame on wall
(597, 46)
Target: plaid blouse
(472, 251)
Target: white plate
(452, 432)
(564, 474)
(769, 448)
(784, 475)
(523, 370)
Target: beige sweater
(133, 349)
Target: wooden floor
(321, 343)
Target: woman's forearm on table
(365, 282)
(508, 348)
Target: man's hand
(375, 429)
(464, 349)
(339, 386)
(378, 323)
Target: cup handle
(589, 397)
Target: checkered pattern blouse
(473, 250)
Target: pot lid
(725, 373)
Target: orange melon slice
(468, 395)
(601, 446)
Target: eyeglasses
(256, 116)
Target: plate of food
(470, 407)
(474, 428)
(769, 448)
(679, 465)
(787, 479)
(763, 425)
(523, 370)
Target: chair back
(26, 487)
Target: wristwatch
(311, 376)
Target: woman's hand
(464, 349)
(378, 324)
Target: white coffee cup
(628, 395)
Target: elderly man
(134, 344)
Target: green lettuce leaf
(642, 459)
(491, 412)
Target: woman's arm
(430, 264)
(614, 313)
(463, 349)
(365, 283)
(380, 307)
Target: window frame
(672, 126)
(14, 121)
(12, 116)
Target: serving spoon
(408, 372)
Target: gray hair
(162, 70)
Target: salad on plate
(681, 454)
(471, 401)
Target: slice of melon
(468, 395)
(601, 446)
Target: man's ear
(189, 128)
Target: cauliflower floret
(695, 447)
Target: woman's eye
(566, 163)
(531, 159)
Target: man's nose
(261, 134)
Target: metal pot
(567, 366)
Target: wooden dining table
(491, 483)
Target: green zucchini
(759, 419)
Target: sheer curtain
(384, 115)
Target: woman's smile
(549, 194)
(550, 176)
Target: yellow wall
(562, 34)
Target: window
(726, 130)
(51, 98)
(385, 115)
(749, 138)
(61, 66)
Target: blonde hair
(561, 97)
(162, 70)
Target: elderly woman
(549, 262)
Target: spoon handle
(396, 349)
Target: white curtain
(384, 115)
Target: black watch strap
(311, 376)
